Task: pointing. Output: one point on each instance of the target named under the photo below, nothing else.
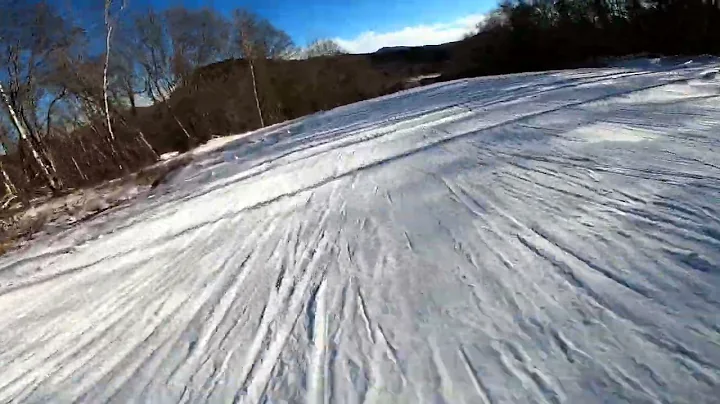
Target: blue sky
(360, 25)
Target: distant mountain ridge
(422, 48)
(387, 49)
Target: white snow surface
(546, 237)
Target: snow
(168, 156)
(545, 237)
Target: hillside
(219, 100)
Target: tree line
(526, 35)
(80, 89)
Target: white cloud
(418, 35)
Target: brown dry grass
(19, 225)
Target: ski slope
(547, 237)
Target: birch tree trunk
(9, 186)
(10, 189)
(147, 144)
(247, 38)
(77, 167)
(47, 171)
(142, 139)
(255, 91)
(108, 36)
(165, 100)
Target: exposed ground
(549, 237)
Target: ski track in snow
(549, 237)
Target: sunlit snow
(545, 237)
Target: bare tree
(30, 34)
(83, 82)
(10, 190)
(247, 26)
(109, 26)
(197, 38)
(9, 185)
(126, 77)
(323, 47)
(171, 45)
(271, 41)
(156, 58)
(154, 53)
(257, 40)
(41, 160)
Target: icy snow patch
(611, 132)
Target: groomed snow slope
(550, 237)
